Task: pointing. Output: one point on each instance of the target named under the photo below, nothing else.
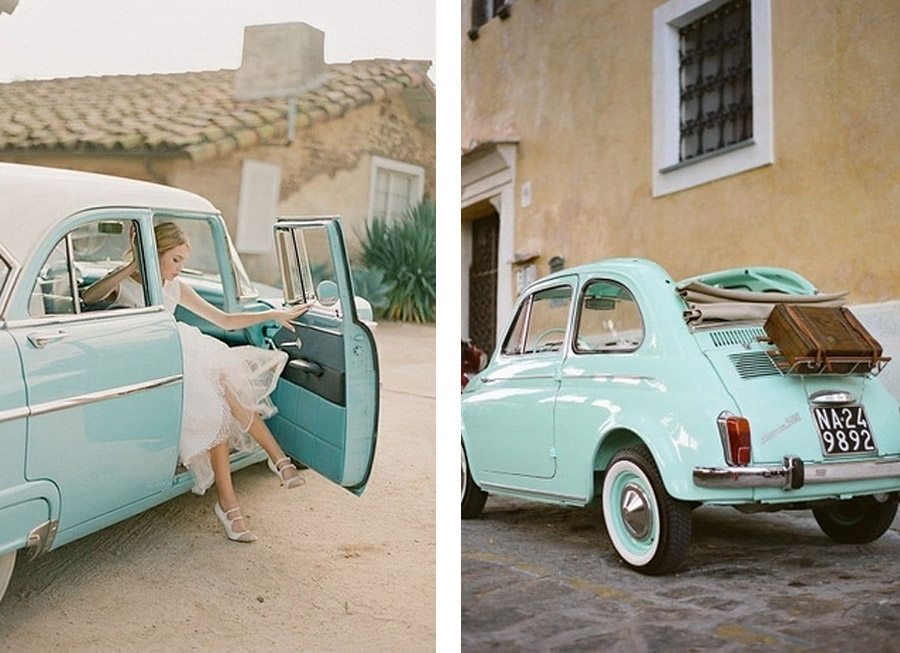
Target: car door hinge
(553, 452)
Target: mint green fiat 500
(91, 394)
(614, 382)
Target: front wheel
(472, 497)
(858, 520)
(7, 563)
(649, 529)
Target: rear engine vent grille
(754, 364)
(737, 336)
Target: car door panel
(105, 398)
(318, 364)
(327, 396)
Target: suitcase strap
(806, 331)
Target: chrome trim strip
(94, 397)
(610, 377)
(13, 413)
(494, 379)
(795, 474)
(54, 320)
(73, 279)
(542, 493)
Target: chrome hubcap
(635, 508)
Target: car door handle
(307, 366)
(40, 340)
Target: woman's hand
(287, 315)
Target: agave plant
(405, 251)
(369, 283)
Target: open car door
(327, 396)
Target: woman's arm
(230, 321)
(103, 287)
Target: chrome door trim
(13, 413)
(90, 316)
(88, 398)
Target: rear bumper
(794, 473)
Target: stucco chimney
(280, 60)
(8, 6)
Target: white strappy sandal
(225, 516)
(278, 468)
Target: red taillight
(736, 439)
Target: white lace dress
(211, 369)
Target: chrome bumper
(794, 473)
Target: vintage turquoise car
(91, 395)
(612, 381)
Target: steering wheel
(545, 334)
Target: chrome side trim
(90, 316)
(532, 377)
(89, 398)
(794, 473)
(13, 413)
(40, 539)
(541, 493)
(102, 395)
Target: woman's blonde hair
(168, 236)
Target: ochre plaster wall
(571, 82)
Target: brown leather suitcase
(821, 340)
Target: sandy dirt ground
(330, 571)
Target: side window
(609, 319)
(548, 319)
(307, 265)
(541, 323)
(513, 343)
(83, 256)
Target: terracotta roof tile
(189, 113)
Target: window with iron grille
(712, 91)
(716, 80)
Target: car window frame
(578, 313)
(78, 310)
(9, 282)
(16, 311)
(528, 304)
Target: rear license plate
(844, 430)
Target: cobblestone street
(538, 577)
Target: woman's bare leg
(218, 456)
(259, 432)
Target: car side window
(609, 319)
(81, 257)
(540, 324)
(513, 343)
(548, 319)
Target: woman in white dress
(226, 389)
